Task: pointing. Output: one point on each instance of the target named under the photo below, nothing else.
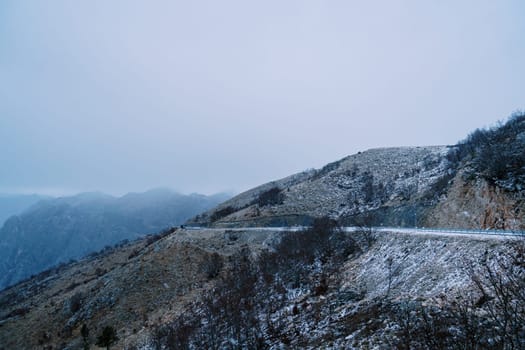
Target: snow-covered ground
(406, 230)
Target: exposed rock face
(409, 187)
(478, 204)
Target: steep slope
(226, 287)
(478, 183)
(476, 203)
(489, 188)
(149, 288)
(57, 230)
(132, 287)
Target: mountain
(55, 231)
(383, 181)
(478, 183)
(233, 285)
(12, 204)
(263, 289)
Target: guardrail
(515, 233)
(454, 230)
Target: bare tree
(366, 228)
(501, 284)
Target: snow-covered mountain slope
(320, 288)
(374, 180)
(142, 287)
(478, 183)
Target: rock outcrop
(406, 187)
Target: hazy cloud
(217, 95)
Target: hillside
(384, 179)
(233, 284)
(406, 187)
(57, 230)
(147, 290)
(478, 183)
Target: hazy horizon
(209, 97)
(61, 192)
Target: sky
(211, 96)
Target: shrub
(326, 169)
(212, 265)
(107, 338)
(496, 154)
(368, 186)
(75, 303)
(237, 312)
(221, 213)
(491, 316)
(84, 332)
(273, 196)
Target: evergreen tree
(107, 338)
(84, 331)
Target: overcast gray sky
(206, 96)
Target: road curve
(411, 230)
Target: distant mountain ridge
(58, 230)
(13, 204)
